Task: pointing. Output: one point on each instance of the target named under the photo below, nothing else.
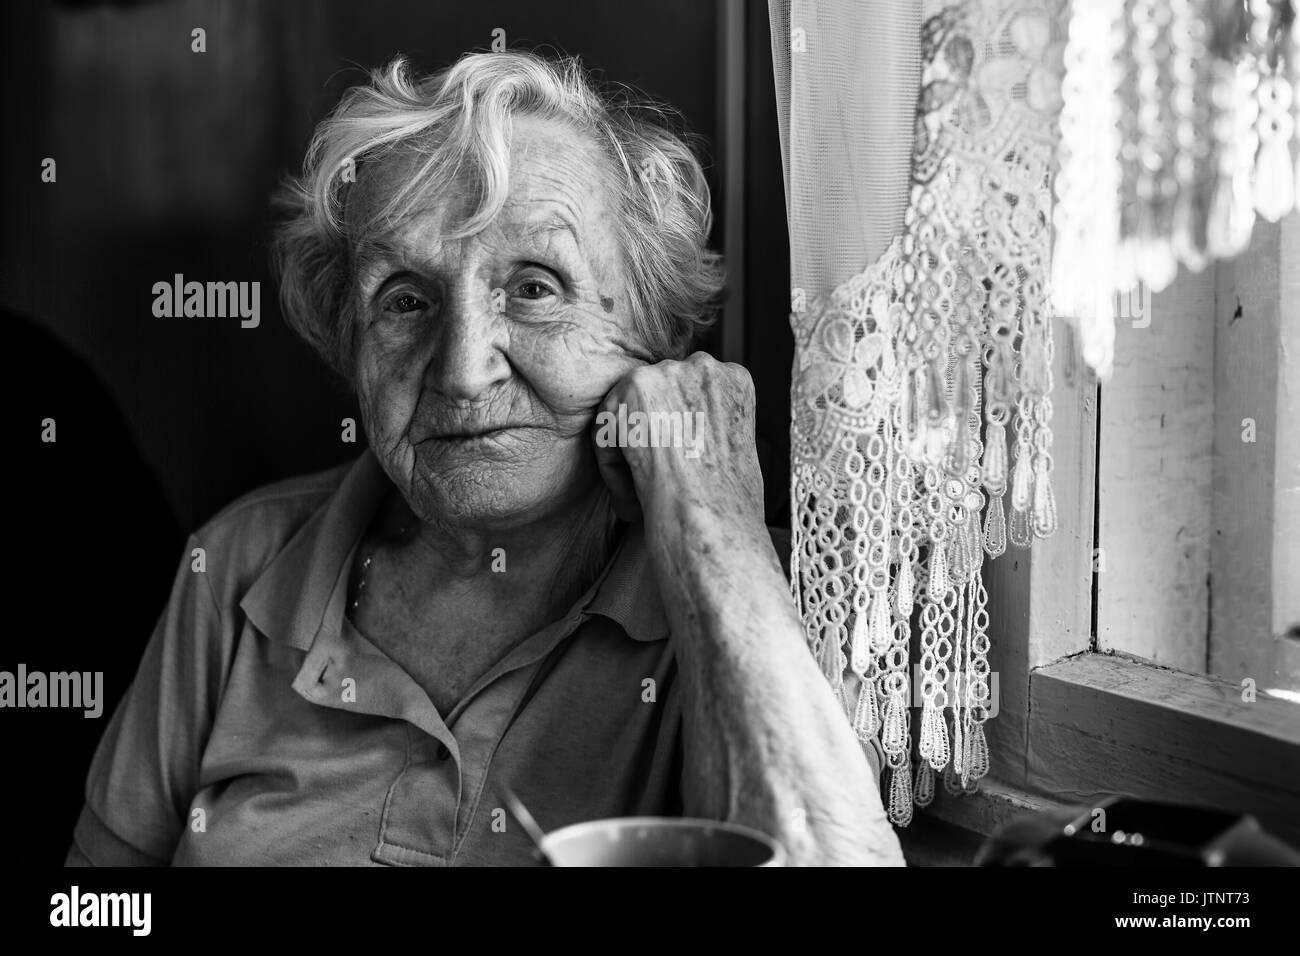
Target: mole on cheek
(607, 303)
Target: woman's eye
(404, 302)
(533, 289)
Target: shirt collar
(627, 592)
(304, 588)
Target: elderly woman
(355, 666)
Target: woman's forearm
(766, 743)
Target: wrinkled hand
(705, 460)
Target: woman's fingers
(681, 430)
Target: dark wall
(769, 344)
(166, 159)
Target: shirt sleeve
(145, 771)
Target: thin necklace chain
(365, 569)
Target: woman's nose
(468, 353)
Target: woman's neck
(544, 564)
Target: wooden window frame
(1075, 723)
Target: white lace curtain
(917, 144)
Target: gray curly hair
(459, 119)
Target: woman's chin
(493, 494)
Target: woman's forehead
(554, 191)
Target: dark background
(166, 159)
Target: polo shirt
(263, 729)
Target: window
(1150, 647)
(1199, 448)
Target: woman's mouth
(473, 436)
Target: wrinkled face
(480, 362)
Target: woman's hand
(676, 439)
(765, 742)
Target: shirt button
(443, 752)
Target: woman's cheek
(570, 369)
(387, 393)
